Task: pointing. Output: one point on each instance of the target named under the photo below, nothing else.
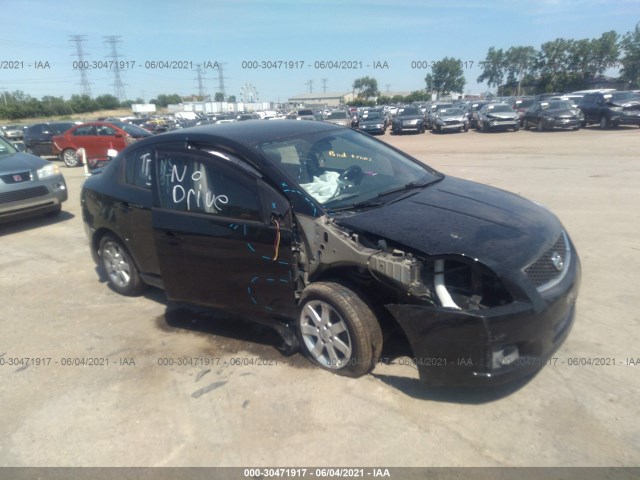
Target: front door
(220, 241)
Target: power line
(80, 53)
(118, 86)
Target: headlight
(48, 171)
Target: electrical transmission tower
(118, 86)
(221, 80)
(310, 83)
(324, 85)
(200, 79)
(84, 80)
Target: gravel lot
(252, 406)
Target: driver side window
(194, 182)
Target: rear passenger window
(138, 167)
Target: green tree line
(17, 104)
(562, 64)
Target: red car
(96, 138)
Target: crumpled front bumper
(458, 347)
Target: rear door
(223, 236)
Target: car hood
(501, 229)
(339, 121)
(21, 161)
(452, 117)
(372, 121)
(503, 115)
(409, 117)
(561, 113)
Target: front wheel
(526, 124)
(70, 158)
(122, 273)
(338, 330)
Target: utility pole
(324, 85)
(80, 54)
(118, 87)
(310, 83)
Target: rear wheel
(526, 124)
(122, 273)
(604, 122)
(338, 330)
(70, 158)
(540, 127)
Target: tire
(516, 128)
(338, 330)
(484, 127)
(604, 122)
(122, 274)
(438, 129)
(540, 127)
(465, 128)
(526, 125)
(70, 158)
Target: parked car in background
(96, 138)
(452, 118)
(374, 123)
(336, 239)
(610, 109)
(38, 138)
(13, 132)
(471, 110)
(408, 119)
(552, 114)
(432, 110)
(247, 116)
(339, 117)
(497, 116)
(29, 185)
(520, 105)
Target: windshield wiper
(362, 204)
(409, 186)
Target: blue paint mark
(249, 290)
(269, 308)
(254, 301)
(273, 205)
(253, 280)
(270, 280)
(283, 263)
(251, 247)
(284, 280)
(265, 257)
(283, 184)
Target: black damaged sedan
(336, 239)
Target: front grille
(17, 177)
(543, 272)
(23, 194)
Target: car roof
(247, 133)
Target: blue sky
(232, 31)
